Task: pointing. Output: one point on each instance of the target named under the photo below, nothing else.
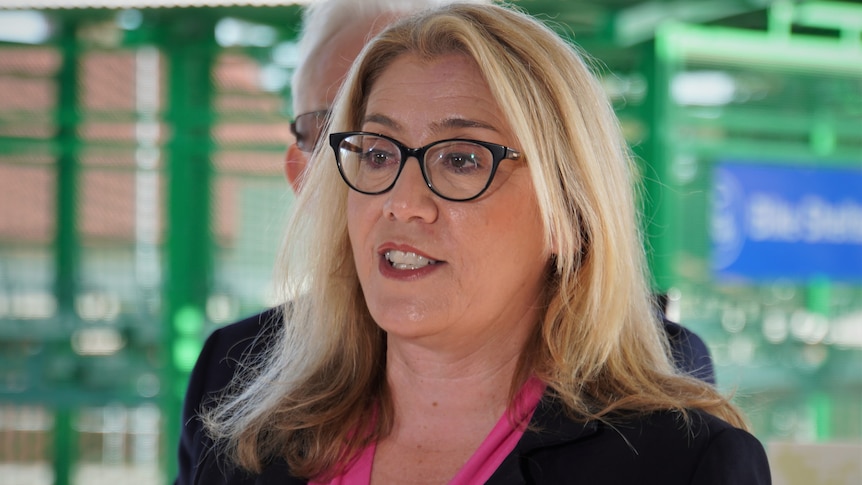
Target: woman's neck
(445, 405)
(430, 385)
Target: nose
(411, 199)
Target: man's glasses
(307, 128)
(456, 169)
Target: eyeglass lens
(455, 169)
(307, 128)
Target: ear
(294, 166)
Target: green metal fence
(142, 200)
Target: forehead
(328, 64)
(429, 91)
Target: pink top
(490, 454)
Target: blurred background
(142, 199)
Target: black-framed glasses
(307, 128)
(457, 170)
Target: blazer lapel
(550, 426)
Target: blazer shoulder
(732, 455)
(663, 447)
(697, 448)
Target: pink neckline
(485, 460)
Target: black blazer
(226, 347)
(655, 449)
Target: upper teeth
(407, 260)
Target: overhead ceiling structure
(610, 30)
(121, 4)
(613, 29)
(623, 21)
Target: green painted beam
(738, 47)
(189, 43)
(653, 152)
(837, 15)
(66, 239)
(641, 21)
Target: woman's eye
(463, 162)
(376, 157)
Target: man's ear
(294, 166)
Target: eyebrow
(381, 120)
(437, 126)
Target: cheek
(497, 226)
(360, 220)
(515, 232)
(357, 209)
(472, 234)
(353, 211)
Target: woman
(469, 303)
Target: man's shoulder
(226, 352)
(690, 353)
(231, 347)
(251, 334)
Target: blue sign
(781, 222)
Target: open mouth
(402, 260)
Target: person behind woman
(469, 303)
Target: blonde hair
(321, 396)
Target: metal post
(656, 168)
(64, 442)
(66, 239)
(66, 242)
(190, 46)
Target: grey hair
(322, 18)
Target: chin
(398, 319)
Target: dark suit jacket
(654, 449)
(238, 342)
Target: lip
(388, 271)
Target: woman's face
(467, 273)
